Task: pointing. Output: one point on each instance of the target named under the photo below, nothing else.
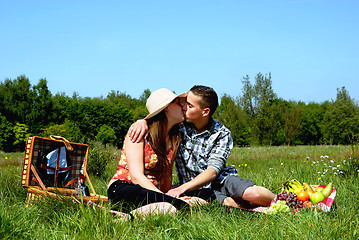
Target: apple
(317, 197)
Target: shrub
(99, 157)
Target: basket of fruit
(295, 196)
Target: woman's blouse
(152, 170)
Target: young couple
(179, 129)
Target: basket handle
(66, 142)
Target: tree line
(256, 117)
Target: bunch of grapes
(290, 198)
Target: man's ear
(206, 112)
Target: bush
(99, 157)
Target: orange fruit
(302, 196)
(318, 189)
(308, 204)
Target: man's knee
(251, 193)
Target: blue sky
(311, 48)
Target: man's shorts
(233, 186)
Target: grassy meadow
(267, 166)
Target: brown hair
(157, 138)
(209, 98)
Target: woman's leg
(154, 208)
(133, 195)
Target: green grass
(267, 166)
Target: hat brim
(164, 105)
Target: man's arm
(138, 131)
(202, 179)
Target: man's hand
(176, 192)
(138, 131)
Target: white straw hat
(159, 100)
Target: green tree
(106, 135)
(312, 118)
(41, 108)
(68, 130)
(6, 135)
(234, 118)
(257, 101)
(16, 97)
(292, 122)
(341, 121)
(21, 133)
(90, 114)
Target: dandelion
(245, 165)
(5, 157)
(319, 178)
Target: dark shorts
(126, 196)
(233, 186)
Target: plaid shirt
(200, 151)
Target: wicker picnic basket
(61, 179)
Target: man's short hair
(209, 98)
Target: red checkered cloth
(324, 205)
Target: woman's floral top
(152, 171)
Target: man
(203, 152)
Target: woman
(144, 172)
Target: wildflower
(5, 157)
(245, 165)
(338, 165)
(270, 168)
(332, 161)
(318, 172)
(281, 163)
(313, 162)
(319, 178)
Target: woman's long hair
(157, 138)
